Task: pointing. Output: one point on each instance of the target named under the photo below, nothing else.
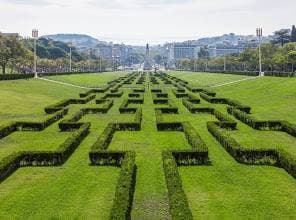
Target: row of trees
(16, 56)
(274, 58)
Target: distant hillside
(51, 49)
(231, 39)
(80, 41)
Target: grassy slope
(91, 79)
(270, 97)
(26, 99)
(205, 79)
(224, 190)
(73, 190)
(231, 190)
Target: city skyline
(138, 22)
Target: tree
(281, 37)
(203, 53)
(11, 49)
(292, 58)
(268, 51)
(4, 53)
(280, 60)
(293, 34)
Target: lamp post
(70, 57)
(89, 60)
(35, 36)
(259, 35)
(224, 63)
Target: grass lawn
(26, 99)
(223, 190)
(206, 79)
(89, 79)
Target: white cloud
(139, 21)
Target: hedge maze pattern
(165, 91)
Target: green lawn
(26, 99)
(89, 79)
(206, 79)
(76, 190)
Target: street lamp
(70, 56)
(89, 60)
(224, 63)
(35, 37)
(259, 35)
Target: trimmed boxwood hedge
(64, 103)
(31, 126)
(193, 138)
(274, 157)
(43, 158)
(273, 125)
(123, 200)
(179, 207)
(73, 124)
(15, 76)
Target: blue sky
(140, 21)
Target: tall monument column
(147, 63)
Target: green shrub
(123, 200)
(15, 76)
(179, 207)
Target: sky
(139, 21)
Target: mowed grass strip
(89, 79)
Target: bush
(6, 130)
(179, 207)
(247, 156)
(123, 200)
(62, 104)
(193, 138)
(104, 139)
(211, 99)
(191, 158)
(43, 158)
(15, 76)
(278, 157)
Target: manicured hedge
(113, 95)
(98, 90)
(180, 93)
(193, 99)
(124, 106)
(191, 157)
(123, 200)
(73, 124)
(263, 125)
(242, 155)
(7, 129)
(104, 139)
(179, 207)
(211, 99)
(193, 138)
(224, 120)
(9, 164)
(275, 157)
(64, 103)
(15, 76)
(142, 90)
(31, 126)
(43, 158)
